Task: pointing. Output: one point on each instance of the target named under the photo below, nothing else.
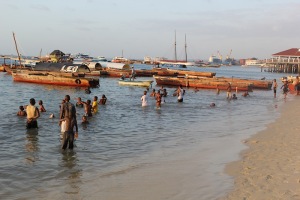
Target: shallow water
(124, 134)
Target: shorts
(31, 124)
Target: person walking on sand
(68, 114)
(285, 88)
(42, 108)
(144, 99)
(275, 85)
(32, 114)
(21, 111)
(229, 91)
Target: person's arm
(37, 113)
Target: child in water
(21, 112)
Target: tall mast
(185, 46)
(17, 49)
(41, 54)
(175, 48)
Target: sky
(138, 28)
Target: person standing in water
(42, 108)
(180, 93)
(229, 91)
(68, 114)
(95, 105)
(21, 112)
(275, 85)
(32, 114)
(144, 99)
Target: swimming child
(21, 112)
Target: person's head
(21, 108)
(274, 80)
(40, 102)
(145, 92)
(84, 118)
(153, 90)
(67, 98)
(79, 99)
(103, 96)
(235, 95)
(88, 102)
(212, 105)
(32, 101)
(95, 98)
(158, 92)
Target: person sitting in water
(103, 100)
(21, 112)
(79, 103)
(234, 96)
(88, 91)
(84, 120)
(42, 108)
(245, 94)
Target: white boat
(119, 59)
(145, 83)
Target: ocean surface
(123, 134)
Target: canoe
(202, 83)
(136, 83)
(64, 79)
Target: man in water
(229, 91)
(180, 93)
(68, 114)
(32, 114)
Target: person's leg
(65, 140)
(71, 140)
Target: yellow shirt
(95, 106)
(31, 112)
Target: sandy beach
(270, 167)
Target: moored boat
(144, 83)
(205, 83)
(54, 78)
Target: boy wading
(68, 115)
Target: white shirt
(180, 93)
(144, 100)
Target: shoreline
(270, 167)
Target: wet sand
(270, 167)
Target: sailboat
(179, 63)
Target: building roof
(295, 52)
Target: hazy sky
(138, 28)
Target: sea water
(125, 134)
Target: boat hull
(202, 83)
(54, 79)
(135, 83)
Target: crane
(229, 55)
(220, 56)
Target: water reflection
(73, 174)
(32, 146)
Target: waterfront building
(287, 61)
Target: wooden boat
(257, 84)
(55, 78)
(136, 83)
(172, 72)
(206, 83)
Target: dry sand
(270, 168)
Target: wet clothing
(68, 115)
(32, 114)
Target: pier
(285, 62)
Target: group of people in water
(160, 95)
(67, 117)
(68, 121)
